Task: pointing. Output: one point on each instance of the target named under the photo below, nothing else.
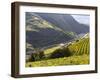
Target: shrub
(41, 55)
(37, 56)
(77, 40)
(61, 53)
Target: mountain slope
(69, 23)
(40, 33)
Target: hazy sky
(84, 19)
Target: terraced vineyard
(80, 47)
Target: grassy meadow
(76, 60)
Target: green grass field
(76, 60)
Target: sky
(84, 19)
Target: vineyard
(75, 53)
(80, 47)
